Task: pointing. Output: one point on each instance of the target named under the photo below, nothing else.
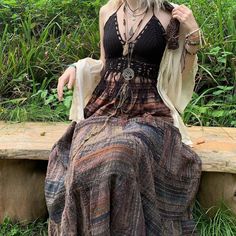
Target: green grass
(41, 106)
(39, 38)
(223, 223)
(37, 228)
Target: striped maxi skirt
(133, 178)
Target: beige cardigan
(175, 90)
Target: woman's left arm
(190, 27)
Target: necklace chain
(128, 73)
(125, 23)
(136, 14)
(131, 8)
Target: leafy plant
(222, 223)
(39, 38)
(37, 228)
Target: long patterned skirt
(132, 178)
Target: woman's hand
(67, 77)
(185, 16)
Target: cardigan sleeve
(87, 77)
(176, 91)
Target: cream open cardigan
(175, 91)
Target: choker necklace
(133, 15)
(131, 8)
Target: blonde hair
(157, 3)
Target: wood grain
(215, 145)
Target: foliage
(39, 38)
(37, 228)
(214, 101)
(222, 223)
(214, 107)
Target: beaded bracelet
(192, 42)
(190, 52)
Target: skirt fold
(133, 177)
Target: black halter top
(148, 49)
(117, 97)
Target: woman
(125, 169)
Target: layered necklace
(128, 73)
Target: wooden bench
(25, 147)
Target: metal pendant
(128, 73)
(125, 49)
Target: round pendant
(128, 73)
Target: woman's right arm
(69, 76)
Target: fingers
(178, 15)
(185, 16)
(71, 81)
(182, 13)
(67, 77)
(60, 86)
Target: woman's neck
(133, 4)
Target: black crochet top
(114, 96)
(147, 53)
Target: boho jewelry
(195, 41)
(194, 31)
(131, 32)
(131, 9)
(133, 15)
(192, 42)
(128, 73)
(189, 44)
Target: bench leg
(215, 187)
(22, 190)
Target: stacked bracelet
(192, 42)
(189, 46)
(191, 33)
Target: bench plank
(33, 140)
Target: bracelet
(72, 65)
(190, 52)
(192, 42)
(195, 37)
(194, 31)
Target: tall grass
(36, 45)
(39, 38)
(37, 228)
(222, 223)
(214, 102)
